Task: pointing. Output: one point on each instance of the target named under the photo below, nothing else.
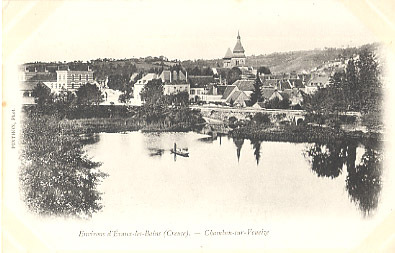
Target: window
(72, 77)
(80, 77)
(72, 85)
(86, 77)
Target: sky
(79, 30)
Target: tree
(56, 176)
(276, 103)
(126, 95)
(264, 70)
(88, 94)
(256, 95)
(152, 92)
(369, 81)
(233, 75)
(42, 94)
(118, 81)
(358, 89)
(261, 118)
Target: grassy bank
(97, 125)
(116, 125)
(301, 133)
(96, 119)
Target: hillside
(277, 62)
(299, 60)
(288, 61)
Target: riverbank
(110, 119)
(118, 125)
(302, 133)
(288, 133)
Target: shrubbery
(56, 176)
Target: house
(295, 96)
(234, 96)
(316, 82)
(174, 82)
(50, 80)
(133, 77)
(259, 105)
(26, 90)
(238, 98)
(138, 87)
(239, 93)
(228, 91)
(71, 80)
(201, 88)
(247, 86)
(270, 93)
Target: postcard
(197, 126)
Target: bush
(56, 177)
(261, 118)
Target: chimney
(170, 75)
(186, 76)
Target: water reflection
(155, 151)
(256, 145)
(327, 160)
(363, 182)
(239, 144)
(214, 131)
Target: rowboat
(180, 152)
(177, 151)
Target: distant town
(230, 82)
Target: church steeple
(236, 57)
(238, 47)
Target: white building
(138, 87)
(71, 80)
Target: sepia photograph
(204, 126)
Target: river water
(235, 178)
(301, 192)
(304, 195)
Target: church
(236, 58)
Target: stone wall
(246, 113)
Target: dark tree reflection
(327, 160)
(364, 183)
(239, 144)
(256, 144)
